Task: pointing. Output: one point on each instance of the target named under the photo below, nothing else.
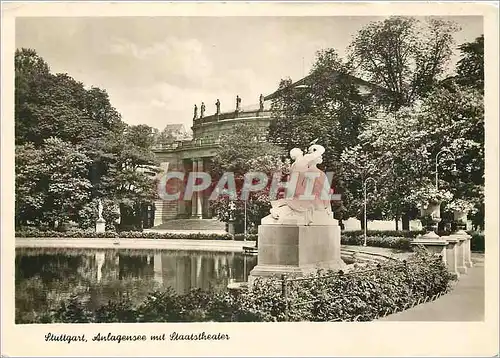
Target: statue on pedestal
(99, 209)
(238, 103)
(217, 105)
(100, 225)
(297, 208)
(202, 111)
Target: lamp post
(245, 223)
(364, 189)
(453, 171)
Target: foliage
(477, 241)
(36, 233)
(404, 55)
(470, 68)
(461, 205)
(390, 242)
(329, 106)
(51, 182)
(242, 151)
(361, 294)
(73, 148)
(428, 194)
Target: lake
(47, 277)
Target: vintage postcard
(249, 179)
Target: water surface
(46, 277)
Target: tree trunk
(405, 218)
(397, 223)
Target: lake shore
(160, 244)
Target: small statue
(195, 116)
(217, 105)
(261, 102)
(238, 103)
(202, 114)
(99, 209)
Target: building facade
(194, 155)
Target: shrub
(477, 241)
(383, 233)
(327, 296)
(36, 233)
(400, 243)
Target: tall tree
(404, 55)
(470, 68)
(328, 106)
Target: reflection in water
(45, 277)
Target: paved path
(464, 303)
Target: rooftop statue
(195, 115)
(202, 111)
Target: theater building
(194, 154)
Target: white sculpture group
(309, 203)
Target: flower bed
(355, 296)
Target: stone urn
(431, 209)
(460, 217)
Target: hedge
(123, 235)
(400, 240)
(354, 296)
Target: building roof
(175, 127)
(304, 81)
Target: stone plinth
(297, 250)
(461, 264)
(436, 246)
(462, 235)
(452, 254)
(100, 225)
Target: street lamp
(364, 188)
(245, 224)
(454, 170)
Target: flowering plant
(461, 205)
(429, 194)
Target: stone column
(461, 218)
(194, 199)
(461, 264)
(199, 195)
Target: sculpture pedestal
(100, 225)
(436, 246)
(465, 238)
(452, 255)
(297, 250)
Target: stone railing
(231, 115)
(195, 143)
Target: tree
(330, 108)
(51, 183)
(404, 55)
(243, 150)
(56, 114)
(470, 68)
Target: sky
(156, 68)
